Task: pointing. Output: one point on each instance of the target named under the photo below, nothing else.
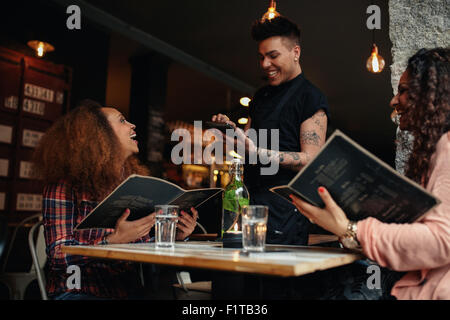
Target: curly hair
(279, 26)
(81, 149)
(428, 96)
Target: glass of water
(254, 227)
(166, 225)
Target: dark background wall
(335, 45)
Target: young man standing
(294, 106)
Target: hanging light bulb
(245, 101)
(375, 63)
(243, 121)
(40, 47)
(271, 12)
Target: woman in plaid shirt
(81, 159)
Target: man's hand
(186, 224)
(221, 118)
(242, 141)
(128, 231)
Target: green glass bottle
(235, 197)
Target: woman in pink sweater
(421, 249)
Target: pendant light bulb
(40, 47)
(271, 12)
(375, 63)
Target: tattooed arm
(312, 138)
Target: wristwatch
(349, 240)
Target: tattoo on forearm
(295, 156)
(292, 159)
(309, 137)
(289, 159)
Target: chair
(17, 282)
(38, 255)
(202, 228)
(186, 289)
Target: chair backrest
(13, 238)
(202, 228)
(37, 249)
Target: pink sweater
(421, 248)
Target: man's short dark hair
(279, 26)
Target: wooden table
(314, 239)
(284, 261)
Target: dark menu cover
(360, 183)
(140, 194)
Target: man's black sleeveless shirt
(265, 113)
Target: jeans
(349, 282)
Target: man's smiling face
(278, 58)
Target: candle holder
(232, 239)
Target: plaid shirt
(63, 209)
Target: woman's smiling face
(123, 129)
(400, 102)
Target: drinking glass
(254, 227)
(166, 225)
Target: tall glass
(166, 225)
(254, 227)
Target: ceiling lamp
(40, 47)
(243, 121)
(375, 63)
(271, 12)
(245, 101)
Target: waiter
(294, 106)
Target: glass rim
(255, 211)
(167, 206)
(255, 206)
(167, 209)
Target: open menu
(360, 183)
(140, 194)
